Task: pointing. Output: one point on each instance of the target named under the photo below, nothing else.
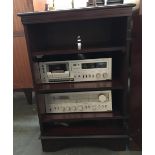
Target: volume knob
(102, 98)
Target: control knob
(80, 108)
(73, 108)
(68, 108)
(98, 75)
(102, 98)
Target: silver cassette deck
(76, 70)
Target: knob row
(78, 108)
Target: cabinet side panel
(136, 82)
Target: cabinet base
(55, 144)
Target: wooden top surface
(78, 9)
(77, 14)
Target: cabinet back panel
(88, 127)
(63, 35)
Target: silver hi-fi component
(93, 101)
(76, 70)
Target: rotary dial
(98, 75)
(102, 98)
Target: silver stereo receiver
(93, 101)
(76, 70)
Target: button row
(78, 108)
(98, 75)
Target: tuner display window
(94, 65)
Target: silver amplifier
(92, 101)
(76, 70)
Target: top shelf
(82, 116)
(74, 51)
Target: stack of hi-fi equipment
(77, 71)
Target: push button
(105, 75)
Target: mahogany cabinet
(106, 32)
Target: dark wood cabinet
(105, 33)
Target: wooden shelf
(85, 137)
(79, 131)
(112, 142)
(78, 86)
(81, 116)
(83, 124)
(74, 51)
